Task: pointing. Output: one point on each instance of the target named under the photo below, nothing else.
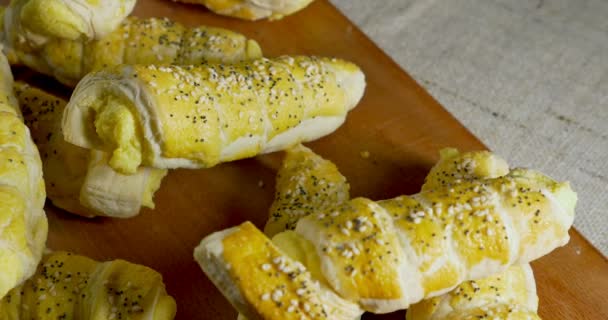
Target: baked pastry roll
(79, 180)
(262, 282)
(510, 295)
(133, 41)
(69, 286)
(306, 181)
(389, 254)
(199, 116)
(507, 295)
(253, 9)
(23, 224)
(67, 19)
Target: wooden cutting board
(397, 122)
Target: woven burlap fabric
(529, 78)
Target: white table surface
(529, 78)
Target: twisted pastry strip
(271, 284)
(510, 295)
(133, 41)
(23, 224)
(305, 180)
(253, 9)
(68, 286)
(305, 184)
(364, 252)
(199, 116)
(507, 295)
(79, 180)
(424, 245)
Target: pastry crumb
(364, 154)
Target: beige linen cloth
(529, 78)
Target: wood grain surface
(397, 122)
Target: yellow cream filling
(165, 308)
(116, 127)
(152, 184)
(52, 18)
(253, 50)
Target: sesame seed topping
(277, 295)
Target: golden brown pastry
(23, 224)
(262, 282)
(134, 41)
(67, 19)
(454, 167)
(68, 286)
(365, 251)
(79, 180)
(199, 116)
(253, 9)
(306, 184)
(507, 295)
(510, 295)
